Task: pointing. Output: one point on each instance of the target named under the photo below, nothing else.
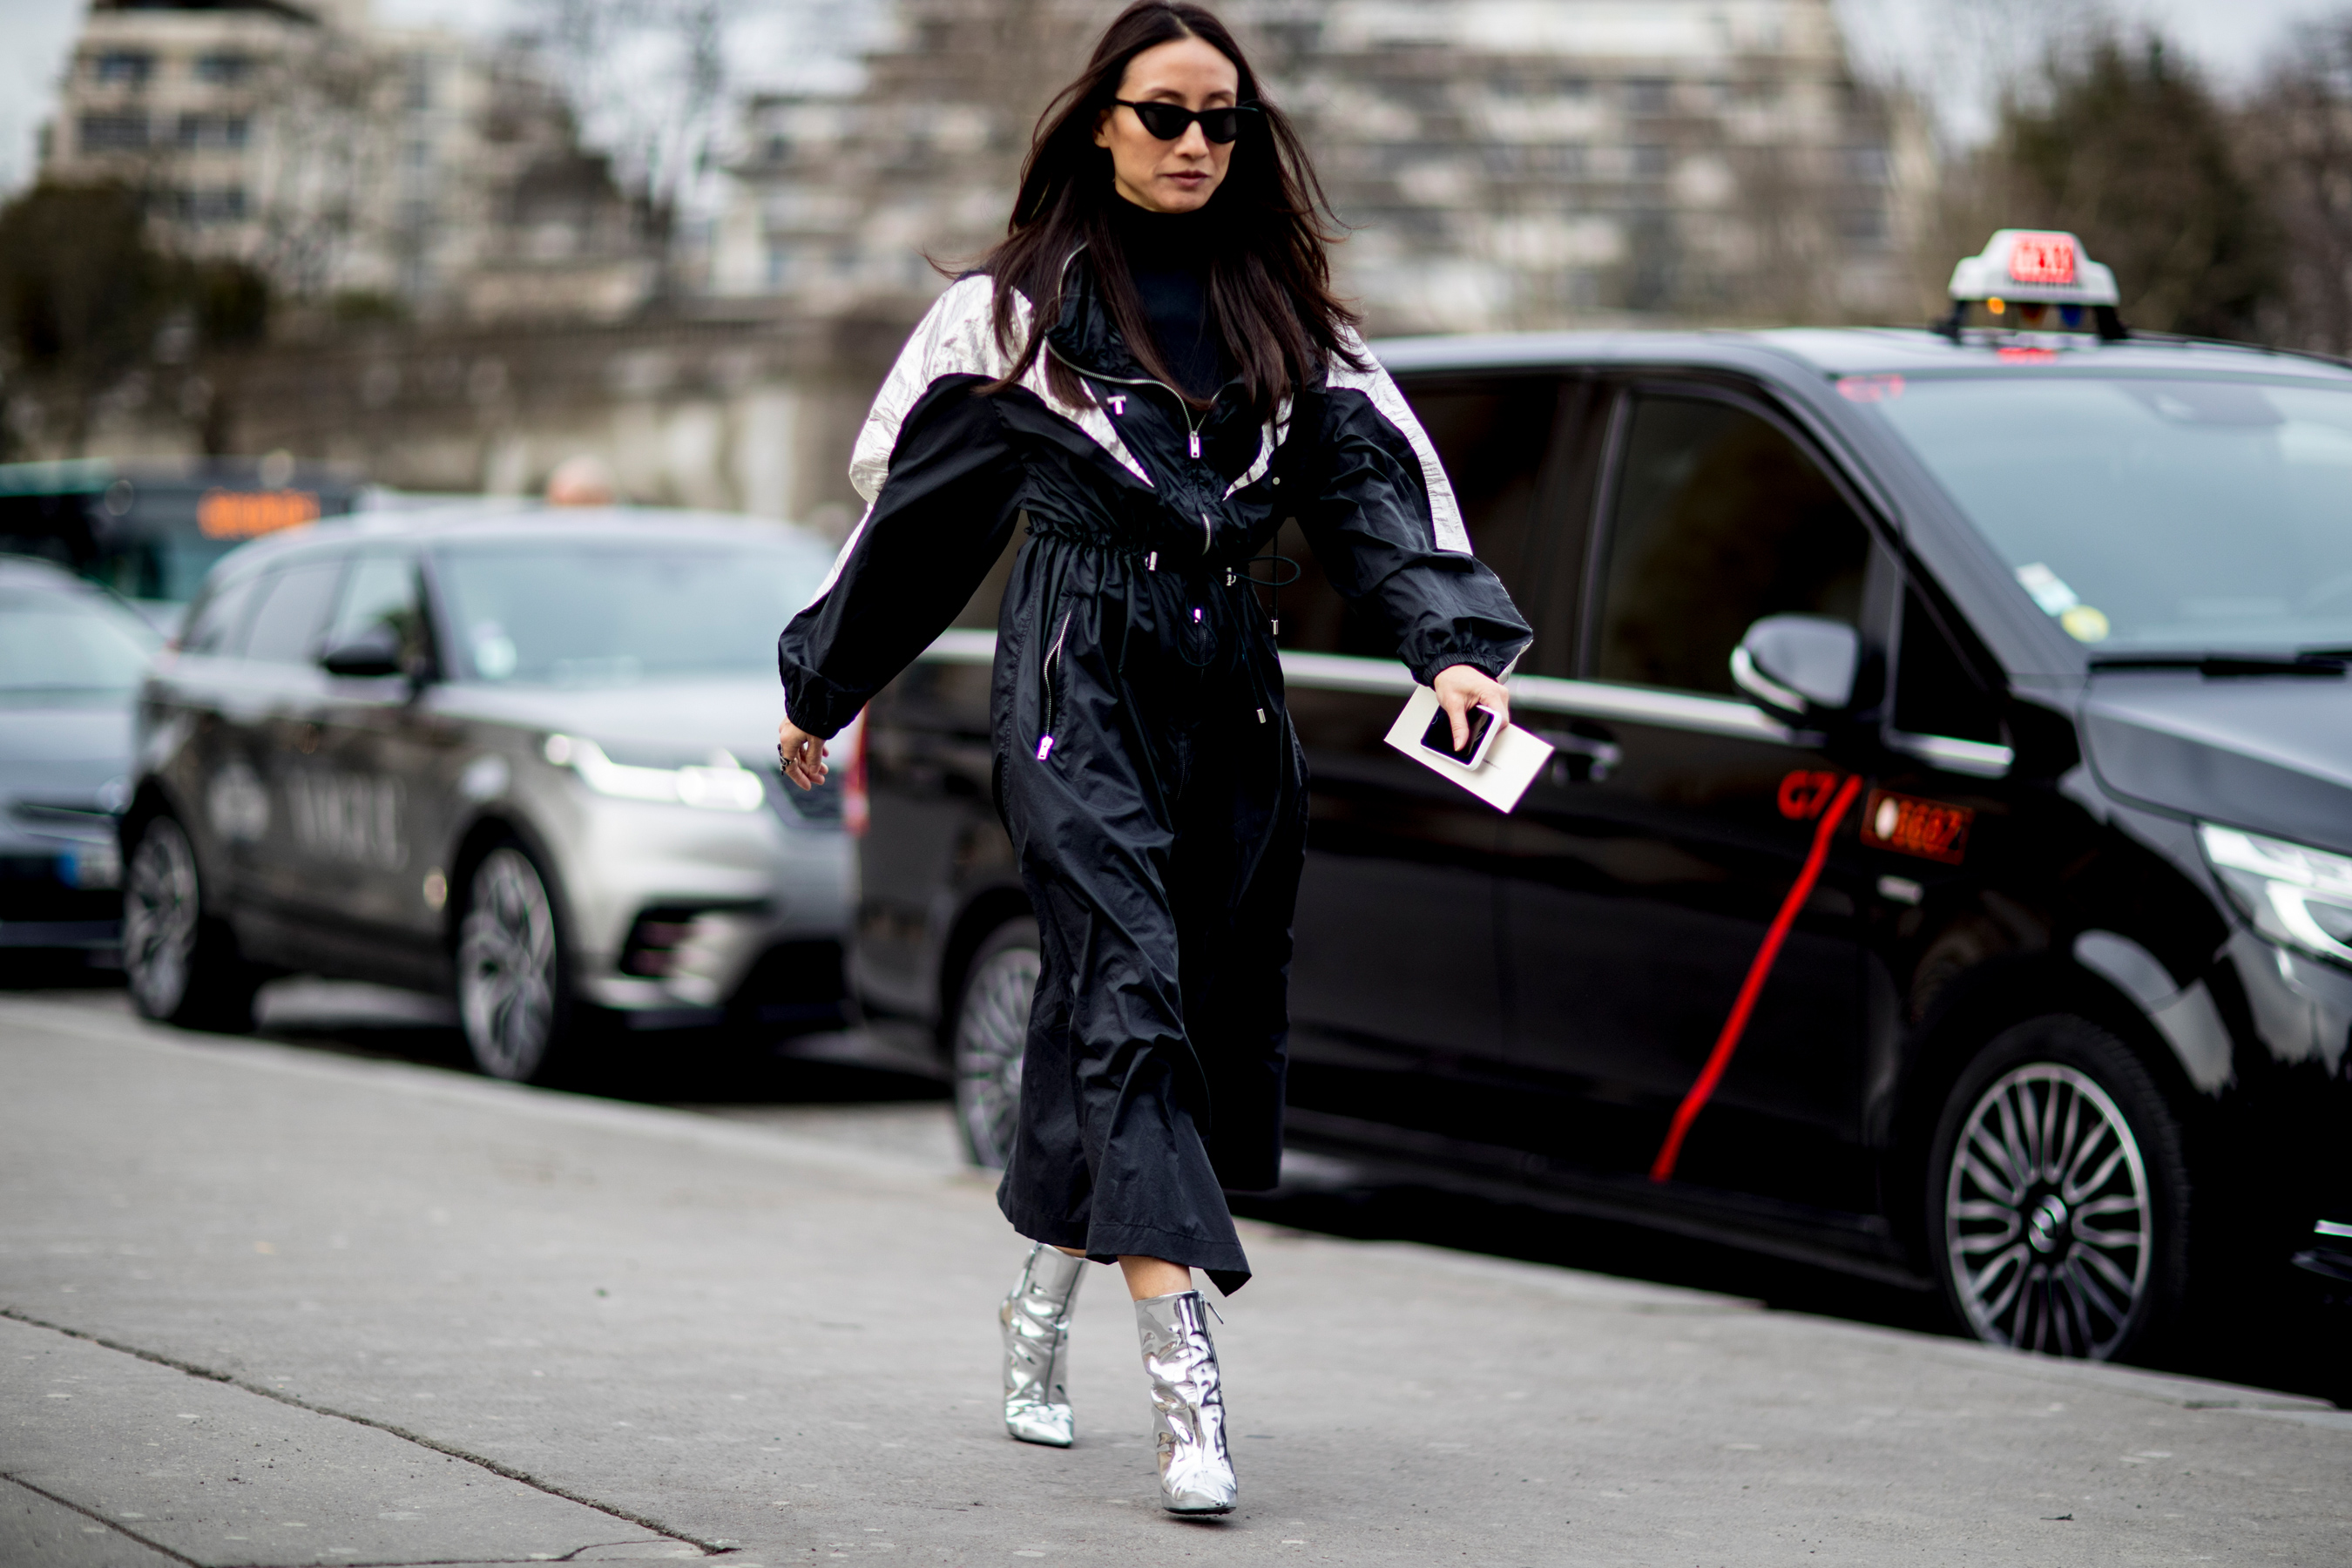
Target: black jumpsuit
(1145, 764)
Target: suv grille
(797, 806)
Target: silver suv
(523, 758)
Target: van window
(1935, 694)
(217, 625)
(293, 608)
(1492, 437)
(1562, 540)
(1491, 433)
(1720, 519)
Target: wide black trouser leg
(1242, 844)
(1160, 842)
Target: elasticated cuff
(816, 704)
(1481, 658)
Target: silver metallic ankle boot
(1188, 1405)
(1036, 1318)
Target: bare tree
(649, 81)
(94, 314)
(2119, 141)
(327, 156)
(2298, 137)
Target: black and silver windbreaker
(949, 473)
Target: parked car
(71, 656)
(1944, 873)
(522, 758)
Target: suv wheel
(2058, 1195)
(182, 965)
(513, 993)
(991, 1026)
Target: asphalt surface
(308, 1301)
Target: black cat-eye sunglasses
(1168, 122)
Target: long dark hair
(1270, 278)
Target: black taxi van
(1946, 868)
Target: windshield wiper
(2220, 666)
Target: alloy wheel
(161, 911)
(2049, 1226)
(991, 1027)
(507, 966)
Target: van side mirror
(1798, 669)
(368, 656)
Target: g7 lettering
(1804, 793)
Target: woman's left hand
(1462, 687)
(801, 755)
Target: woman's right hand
(801, 755)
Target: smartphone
(1439, 736)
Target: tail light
(856, 814)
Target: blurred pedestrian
(1153, 369)
(581, 480)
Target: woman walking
(1153, 368)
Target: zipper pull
(1152, 562)
(1044, 744)
(1196, 443)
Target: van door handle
(1581, 759)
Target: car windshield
(2153, 516)
(611, 613)
(61, 641)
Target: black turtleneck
(1168, 261)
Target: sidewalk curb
(192, 1369)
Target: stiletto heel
(1036, 1321)
(1188, 1405)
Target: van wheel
(181, 964)
(514, 999)
(991, 1026)
(2058, 1195)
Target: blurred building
(551, 235)
(167, 98)
(1506, 163)
(1529, 163)
(411, 165)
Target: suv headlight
(721, 785)
(2294, 895)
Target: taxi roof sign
(2039, 265)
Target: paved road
(267, 1305)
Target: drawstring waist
(1167, 544)
(1173, 554)
(1211, 613)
